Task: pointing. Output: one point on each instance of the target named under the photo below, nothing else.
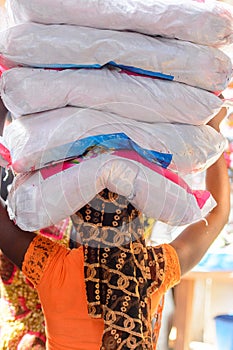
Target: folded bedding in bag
(68, 46)
(36, 140)
(30, 90)
(115, 141)
(44, 197)
(208, 22)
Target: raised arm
(13, 241)
(195, 240)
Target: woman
(104, 293)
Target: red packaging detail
(5, 154)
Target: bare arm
(195, 240)
(13, 241)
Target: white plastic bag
(208, 23)
(30, 90)
(42, 138)
(68, 46)
(44, 197)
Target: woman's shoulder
(167, 262)
(40, 254)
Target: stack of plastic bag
(118, 97)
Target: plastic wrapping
(135, 97)
(44, 197)
(67, 46)
(40, 139)
(208, 23)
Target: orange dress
(21, 316)
(58, 275)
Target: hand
(217, 119)
(3, 113)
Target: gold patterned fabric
(120, 272)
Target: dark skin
(190, 245)
(3, 112)
(195, 240)
(13, 247)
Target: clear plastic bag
(68, 46)
(208, 22)
(40, 139)
(45, 197)
(29, 90)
